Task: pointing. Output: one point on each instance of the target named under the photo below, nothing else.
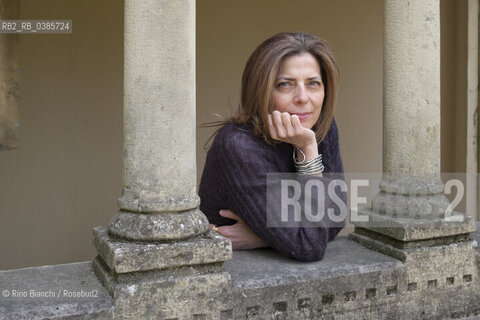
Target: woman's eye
(283, 84)
(315, 83)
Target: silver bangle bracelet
(295, 156)
(310, 167)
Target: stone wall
(9, 79)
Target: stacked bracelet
(310, 167)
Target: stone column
(410, 209)
(411, 184)
(9, 78)
(159, 170)
(158, 253)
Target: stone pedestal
(163, 280)
(403, 237)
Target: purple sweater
(235, 178)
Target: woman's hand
(242, 237)
(287, 128)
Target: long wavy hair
(259, 76)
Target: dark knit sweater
(235, 178)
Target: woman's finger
(214, 227)
(229, 214)
(271, 128)
(297, 125)
(287, 124)
(277, 123)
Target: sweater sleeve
(243, 163)
(330, 149)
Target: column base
(407, 252)
(143, 202)
(123, 256)
(417, 206)
(411, 239)
(411, 229)
(165, 226)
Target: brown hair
(259, 78)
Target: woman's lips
(302, 116)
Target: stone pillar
(9, 78)
(411, 184)
(159, 162)
(410, 210)
(158, 252)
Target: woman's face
(299, 88)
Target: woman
(287, 103)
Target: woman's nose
(301, 95)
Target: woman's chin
(306, 124)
